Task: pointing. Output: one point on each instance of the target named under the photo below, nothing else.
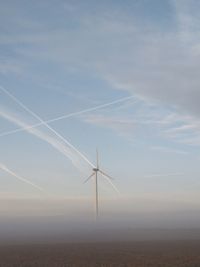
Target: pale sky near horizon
(59, 57)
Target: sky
(63, 57)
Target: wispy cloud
(9, 66)
(154, 62)
(170, 150)
(151, 120)
(164, 175)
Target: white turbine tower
(94, 174)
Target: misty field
(136, 254)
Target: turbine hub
(95, 169)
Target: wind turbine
(94, 174)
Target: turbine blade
(89, 178)
(97, 158)
(105, 174)
(114, 187)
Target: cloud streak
(164, 175)
(154, 62)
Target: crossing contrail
(58, 145)
(68, 115)
(5, 169)
(51, 140)
(46, 124)
(54, 142)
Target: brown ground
(136, 254)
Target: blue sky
(59, 57)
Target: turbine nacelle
(96, 170)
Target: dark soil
(125, 254)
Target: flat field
(129, 254)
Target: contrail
(46, 124)
(42, 122)
(5, 169)
(164, 175)
(68, 115)
(57, 144)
